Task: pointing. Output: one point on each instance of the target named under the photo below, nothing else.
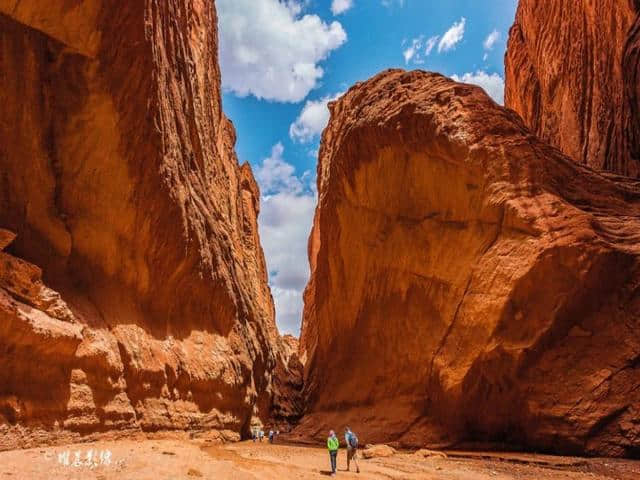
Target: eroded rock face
(572, 73)
(469, 281)
(119, 177)
(288, 402)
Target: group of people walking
(258, 434)
(333, 444)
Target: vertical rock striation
(119, 177)
(572, 74)
(469, 282)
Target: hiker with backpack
(351, 439)
(333, 444)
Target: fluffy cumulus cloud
(340, 6)
(269, 49)
(287, 206)
(491, 40)
(452, 36)
(276, 175)
(492, 83)
(312, 120)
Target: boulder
(378, 451)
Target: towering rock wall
(572, 73)
(118, 175)
(469, 281)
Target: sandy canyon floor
(180, 459)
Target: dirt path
(189, 460)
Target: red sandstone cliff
(469, 281)
(288, 403)
(572, 73)
(118, 175)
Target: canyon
(475, 269)
(133, 287)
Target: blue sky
(282, 60)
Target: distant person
(261, 435)
(271, 434)
(254, 435)
(333, 444)
(351, 439)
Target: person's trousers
(352, 454)
(333, 454)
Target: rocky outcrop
(572, 73)
(288, 403)
(469, 281)
(118, 175)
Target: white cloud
(312, 119)
(418, 49)
(491, 40)
(452, 36)
(412, 50)
(493, 83)
(268, 49)
(289, 306)
(286, 215)
(430, 44)
(340, 6)
(276, 175)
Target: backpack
(353, 440)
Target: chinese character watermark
(84, 459)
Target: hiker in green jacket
(333, 444)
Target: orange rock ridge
(470, 283)
(149, 307)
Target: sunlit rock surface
(149, 306)
(470, 283)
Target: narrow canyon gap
(475, 270)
